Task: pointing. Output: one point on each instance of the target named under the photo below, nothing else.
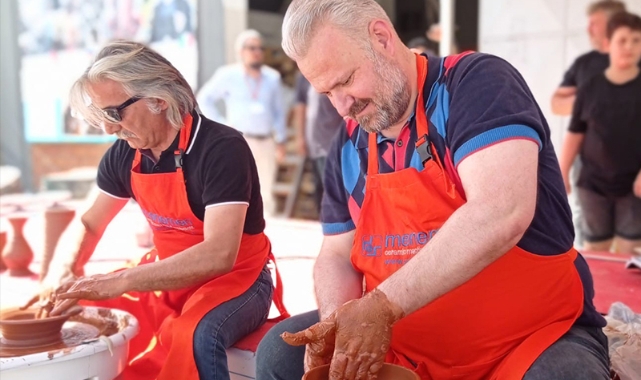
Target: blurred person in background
(253, 98)
(171, 19)
(580, 72)
(205, 285)
(317, 122)
(606, 130)
(591, 63)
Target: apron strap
(185, 132)
(424, 146)
(178, 159)
(278, 292)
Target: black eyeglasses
(254, 48)
(112, 115)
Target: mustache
(358, 106)
(124, 135)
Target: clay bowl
(20, 328)
(388, 372)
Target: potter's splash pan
(103, 354)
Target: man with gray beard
(448, 235)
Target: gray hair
(142, 72)
(304, 17)
(242, 38)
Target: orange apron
(495, 325)
(164, 347)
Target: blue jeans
(582, 353)
(227, 323)
(277, 360)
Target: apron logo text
(395, 245)
(159, 222)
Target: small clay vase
(3, 242)
(57, 218)
(388, 372)
(20, 328)
(17, 254)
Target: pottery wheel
(72, 334)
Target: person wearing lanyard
(253, 98)
(448, 236)
(205, 285)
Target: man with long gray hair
(205, 285)
(253, 99)
(448, 236)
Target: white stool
(241, 363)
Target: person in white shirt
(252, 97)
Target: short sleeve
(114, 171)
(577, 122)
(301, 90)
(229, 172)
(335, 215)
(569, 78)
(489, 103)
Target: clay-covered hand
(45, 298)
(319, 339)
(96, 287)
(363, 332)
(44, 301)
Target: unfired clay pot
(3, 241)
(57, 218)
(17, 253)
(20, 328)
(388, 372)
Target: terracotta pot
(57, 218)
(17, 254)
(3, 242)
(388, 372)
(20, 328)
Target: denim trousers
(582, 353)
(227, 323)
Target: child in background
(606, 130)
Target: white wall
(235, 12)
(541, 38)
(269, 24)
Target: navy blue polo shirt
(473, 101)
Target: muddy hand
(31, 302)
(97, 287)
(44, 300)
(319, 341)
(363, 336)
(44, 306)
